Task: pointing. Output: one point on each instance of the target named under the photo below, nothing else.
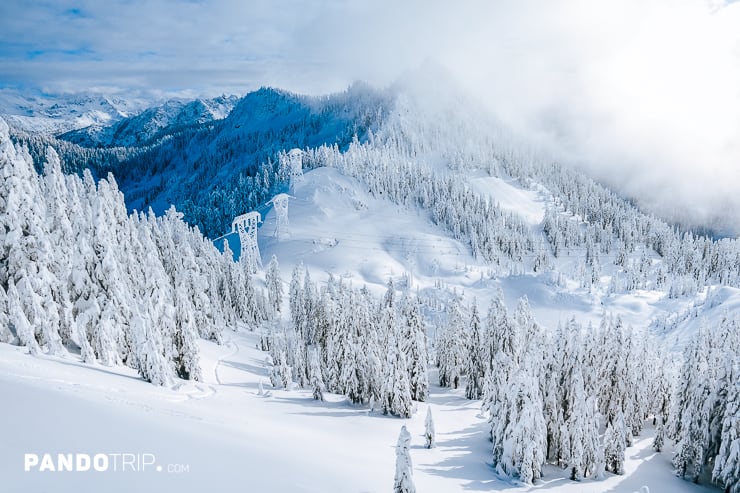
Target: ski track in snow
(228, 343)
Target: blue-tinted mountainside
(216, 169)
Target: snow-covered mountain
(58, 113)
(215, 170)
(152, 123)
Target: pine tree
(19, 322)
(316, 380)
(286, 374)
(61, 239)
(396, 390)
(187, 357)
(659, 439)
(149, 350)
(5, 333)
(583, 435)
(414, 344)
(295, 296)
(451, 348)
(274, 285)
(403, 481)
(429, 433)
(615, 444)
(476, 362)
(727, 463)
(689, 419)
(523, 450)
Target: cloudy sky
(645, 92)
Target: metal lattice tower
(246, 226)
(280, 202)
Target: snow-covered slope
(338, 227)
(222, 435)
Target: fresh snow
(233, 438)
(507, 194)
(234, 431)
(337, 226)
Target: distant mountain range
(100, 120)
(58, 113)
(143, 128)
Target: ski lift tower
(280, 202)
(246, 226)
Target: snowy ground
(228, 437)
(338, 227)
(233, 439)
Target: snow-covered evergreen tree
(396, 390)
(727, 463)
(5, 333)
(582, 427)
(523, 451)
(150, 352)
(316, 380)
(403, 481)
(451, 348)
(430, 436)
(274, 285)
(476, 361)
(414, 343)
(688, 418)
(615, 444)
(19, 322)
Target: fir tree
(19, 322)
(451, 348)
(403, 481)
(414, 344)
(615, 445)
(523, 450)
(316, 380)
(476, 362)
(5, 333)
(396, 391)
(274, 285)
(727, 463)
(429, 433)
